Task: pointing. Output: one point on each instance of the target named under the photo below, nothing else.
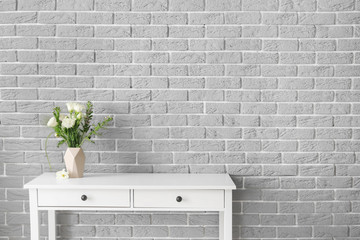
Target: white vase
(75, 161)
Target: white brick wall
(265, 90)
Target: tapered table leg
(34, 215)
(225, 218)
(52, 224)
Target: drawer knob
(178, 198)
(84, 197)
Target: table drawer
(179, 199)
(84, 198)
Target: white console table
(132, 192)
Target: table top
(134, 181)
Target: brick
(169, 120)
(28, 5)
(157, 57)
(169, 44)
(298, 5)
(57, 44)
(318, 45)
(133, 44)
(95, 44)
(8, 5)
(316, 18)
(295, 108)
(150, 5)
(334, 31)
(171, 145)
(222, 108)
(153, 82)
(169, 95)
(243, 44)
(219, 57)
(147, 107)
(186, 5)
(149, 31)
(169, 18)
(223, 31)
(331, 231)
(73, 5)
(186, 31)
(348, 18)
(257, 232)
(260, 5)
(155, 158)
(297, 58)
(185, 107)
(221, 158)
(241, 145)
(245, 121)
(277, 220)
(132, 70)
(242, 17)
(223, 83)
(132, 18)
(191, 158)
(297, 31)
(242, 70)
(112, 5)
(279, 70)
(166, 70)
(293, 232)
(261, 58)
(279, 18)
(259, 31)
(332, 207)
(278, 121)
(280, 45)
(332, 109)
(18, 94)
(294, 207)
(336, 5)
(56, 17)
(75, 31)
(206, 18)
(263, 158)
(192, 57)
(260, 133)
(259, 207)
(7, 30)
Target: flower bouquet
(74, 129)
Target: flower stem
(47, 156)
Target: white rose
(78, 107)
(68, 122)
(61, 117)
(52, 122)
(70, 106)
(62, 174)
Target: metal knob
(84, 197)
(178, 198)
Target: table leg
(52, 224)
(225, 218)
(34, 215)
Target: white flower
(70, 106)
(52, 122)
(68, 122)
(62, 174)
(79, 116)
(61, 117)
(78, 107)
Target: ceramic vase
(75, 161)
